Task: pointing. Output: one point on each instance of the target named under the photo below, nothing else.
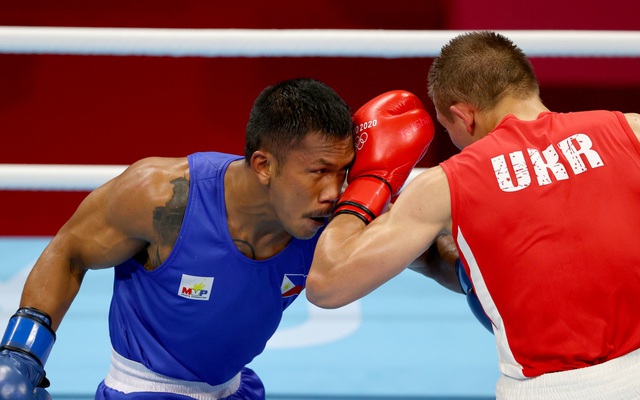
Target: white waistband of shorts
(617, 378)
(129, 376)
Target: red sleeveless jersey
(546, 215)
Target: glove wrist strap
(366, 197)
(29, 330)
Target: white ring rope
(66, 177)
(56, 177)
(259, 43)
(298, 42)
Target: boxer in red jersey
(543, 209)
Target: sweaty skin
(136, 213)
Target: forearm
(52, 285)
(30, 335)
(350, 261)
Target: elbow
(321, 293)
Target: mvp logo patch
(195, 287)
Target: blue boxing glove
(24, 350)
(472, 298)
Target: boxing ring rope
(298, 42)
(66, 177)
(55, 177)
(261, 43)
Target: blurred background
(65, 109)
(410, 339)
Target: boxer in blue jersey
(221, 239)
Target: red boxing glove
(393, 132)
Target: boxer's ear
(466, 113)
(263, 165)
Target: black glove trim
(34, 313)
(356, 205)
(22, 351)
(351, 212)
(44, 381)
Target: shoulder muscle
(148, 195)
(117, 220)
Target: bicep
(419, 215)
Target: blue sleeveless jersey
(208, 310)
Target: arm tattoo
(168, 219)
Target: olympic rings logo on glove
(361, 140)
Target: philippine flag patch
(292, 284)
(195, 287)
